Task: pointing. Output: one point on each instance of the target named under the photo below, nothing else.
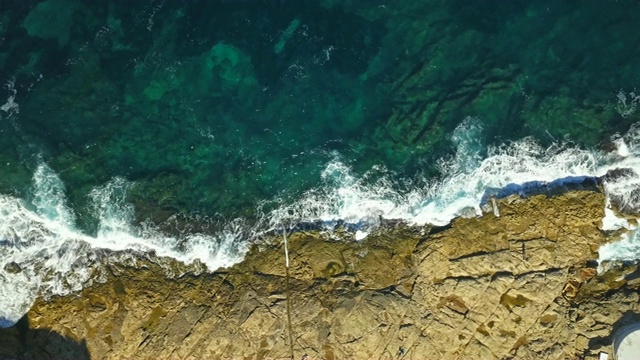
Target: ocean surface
(190, 129)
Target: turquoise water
(188, 127)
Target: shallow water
(188, 129)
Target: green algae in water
(217, 112)
(51, 19)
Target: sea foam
(42, 251)
(468, 177)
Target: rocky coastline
(520, 282)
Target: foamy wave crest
(467, 178)
(362, 202)
(116, 232)
(342, 198)
(42, 253)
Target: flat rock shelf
(522, 285)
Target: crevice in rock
(144, 341)
(546, 271)
(391, 290)
(478, 253)
(531, 239)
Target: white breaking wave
(466, 178)
(42, 252)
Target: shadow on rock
(628, 318)
(22, 342)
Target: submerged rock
(522, 285)
(12, 268)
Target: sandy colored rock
(521, 285)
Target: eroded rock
(490, 287)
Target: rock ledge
(521, 285)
